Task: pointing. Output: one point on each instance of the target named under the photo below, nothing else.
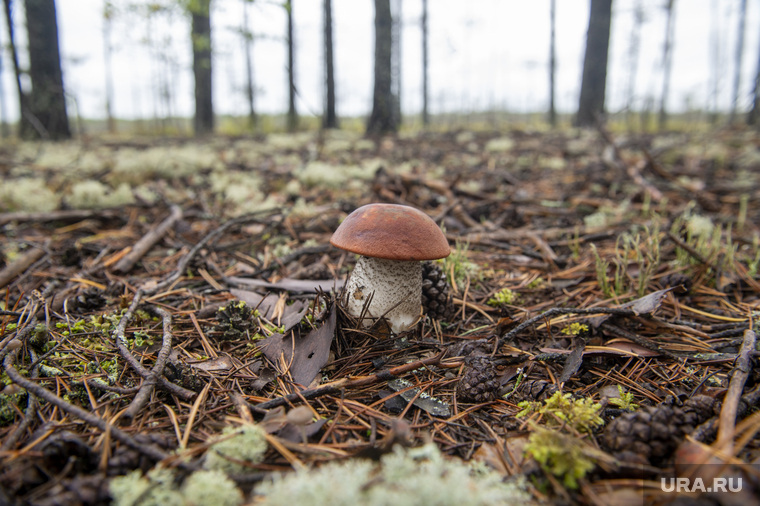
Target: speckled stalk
(392, 282)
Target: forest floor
(598, 338)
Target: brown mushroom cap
(393, 232)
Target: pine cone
(435, 291)
(480, 382)
(655, 431)
(236, 321)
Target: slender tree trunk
(552, 62)
(715, 62)
(381, 120)
(249, 84)
(203, 122)
(425, 84)
(24, 126)
(330, 120)
(396, 62)
(667, 64)
(47, 102)
(753, 116)
(4, 131)
(594, 80)
(107, 16)
(738, 59)
(633, 61)
(292, 114)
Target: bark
(203, 122)
(552, 63)
(47, 102)
(396, 62)
(425, 84)
(330, 120)
(381, 120)
(292, 114)
(738, 59)
(594, 80)
(667, 61)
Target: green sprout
(560, 455)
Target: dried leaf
(573, 361)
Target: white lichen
(27, 194)
(403, 477)
(211, 488)
(249, 444)
(91, 194)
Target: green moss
(503, 297)
(560, 455)
(559, 409)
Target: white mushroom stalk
(395, 288)
(387, 280)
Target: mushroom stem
(390, 283)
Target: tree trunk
(47, 101)
(552, 62)
(203, 122)
(594, 81)
(633, 61)
(667, 61)
(396, 62)
(754, 113)
(381, 120)
(425, 84)
(330, 120)
(249, 84)
(292, 114)
(108, 12)
(738, 60)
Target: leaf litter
(638, 273)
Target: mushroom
(392, 240)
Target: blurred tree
(329, 120)
(108, 13)
(738, 59)
(200, 11)
(46, 105)
(382, 120)
(633, 61)
(425, 91)
(753, 118)
(16, 68)
(249, 84)
(552, 62)
(594, 80)
(292, 114)
(396, 28)
(667, 64)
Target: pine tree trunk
(753, 117)
(633, 61)
(381, 120)
(203, 122)
(292, 114)
(594, 81)
(249, 84)
(47, 101)
(738, 60)
(425, 84)
(330, 120)
(667, 61)
(107, 15)
(552, 63)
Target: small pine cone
(435, 291)
(480, 382)
(236, 321)
(655, 431)
(537, 390)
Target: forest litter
(174, 329)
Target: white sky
(484, 54)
